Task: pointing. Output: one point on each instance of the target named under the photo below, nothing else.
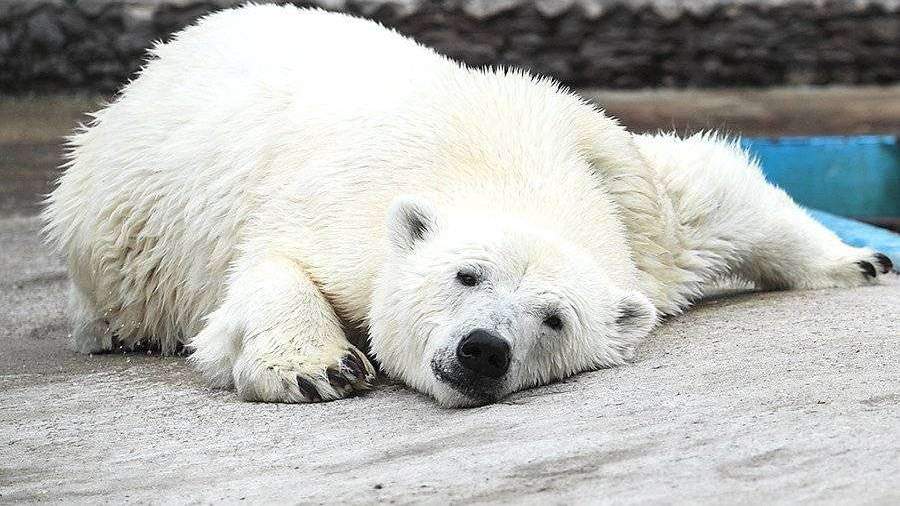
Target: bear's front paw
(303, 377)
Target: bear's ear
(410, 221)
(635, 317)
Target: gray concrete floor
(749, 398)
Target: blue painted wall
(848, 176)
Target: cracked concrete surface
(750, 398)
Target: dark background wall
(95, 45)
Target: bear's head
(471, 308)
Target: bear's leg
(731, 221)
(276, 339)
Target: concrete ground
(784, 397)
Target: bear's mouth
(480, 390)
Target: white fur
(277, 175)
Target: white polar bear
(277, 176)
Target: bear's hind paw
(878, 264)
(865, 269)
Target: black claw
(868, 268)
(886, 264)
(353, 364)
(308, 389)
(360, 356)
(337, 379)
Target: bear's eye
(466, 278)
(553, 322)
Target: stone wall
(95, 45)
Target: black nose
(484, 353)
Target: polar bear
(278, 178)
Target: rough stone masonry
(97, 45)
